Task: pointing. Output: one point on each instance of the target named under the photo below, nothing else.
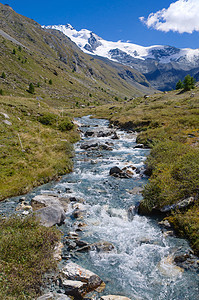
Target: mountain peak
(69, 26)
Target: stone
(7, 122)
(132, 210)
(89, 145)
(58, 251)
(114, 297)
(115, 136)
(165, 223)
(98, 132)
(48, 296)
(24, 206)
(117, 172)
(139, 146)
(74, 288)
(78, 281)
(168, 268)
(50, 215)
(41, 201)
(53, 296)
(179, 205)
(135, 191)
(5, 115)
(102, 246)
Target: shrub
(50, 82)
(47, 119)
(1, 92)
(65, 125)
(14, 51)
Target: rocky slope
(163, 66)
(38, 55)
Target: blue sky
(120, 19)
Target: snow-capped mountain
(155, 62)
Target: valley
(55, 101)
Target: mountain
(163, 66)
(61, 73)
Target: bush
(1, 92)
(47, 119)
(65, 125)
(50, 82)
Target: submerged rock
(102, 246)
(78, 281)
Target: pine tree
(189, 83)
(3, 75)
(31, 89)
(179, 85)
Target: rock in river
(114, 297)
(50, 215)
(78, 281)
(117, 172)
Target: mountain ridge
(150, 61)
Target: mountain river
(140, 266)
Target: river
(141, 264)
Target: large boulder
(41, 201)
(77, 281)
(50, 215)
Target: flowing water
(140, 266)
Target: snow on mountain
(90, 43)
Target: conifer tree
(31, 89)
(179, 85)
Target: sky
(144, 22)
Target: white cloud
(181, 16)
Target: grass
(33, 153)
(26, 253)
